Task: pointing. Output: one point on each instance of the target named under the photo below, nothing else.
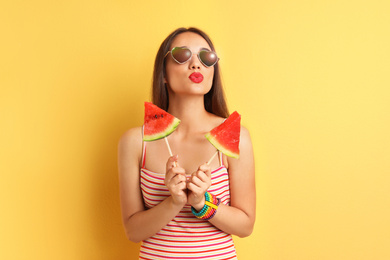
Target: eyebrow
(201, 49)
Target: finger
(172, 162)
(178, 179)
(173, 172)
(197, 181)
(206, 169)
(181, 186)
(169, 175)
(193, 187)
(203, 176)
(179, 189)
(189, 178)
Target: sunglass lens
(181, 55)
(209, 58)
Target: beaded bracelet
(209, 209)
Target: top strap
(220, 158)
(143, 148)
(143, 154)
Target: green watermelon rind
(220, 147)
(169, 130)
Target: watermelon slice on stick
(226, 136)
(158, 124)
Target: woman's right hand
(175, 180)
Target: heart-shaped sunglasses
(182, 54)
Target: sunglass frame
(184, 48)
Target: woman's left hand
(197, 185)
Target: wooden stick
(211, 159)
(169, 148)
(170, 151)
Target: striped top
(185, 236)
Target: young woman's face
(185, 78)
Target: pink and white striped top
(185, 236)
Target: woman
(161, 195)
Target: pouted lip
(196, 77)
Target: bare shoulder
(245, 138)
(131, 136)
(130, 144)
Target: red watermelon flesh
(158, 123)
(226, 136)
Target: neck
(191, 111)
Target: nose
(194, 62)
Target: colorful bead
(209, 209)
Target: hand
(175, 180)
(198, 184)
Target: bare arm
(238, 218)
(138, 222)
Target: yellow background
(310, 78)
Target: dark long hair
(214, 100)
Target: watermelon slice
(226, 136)
(158, 123)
